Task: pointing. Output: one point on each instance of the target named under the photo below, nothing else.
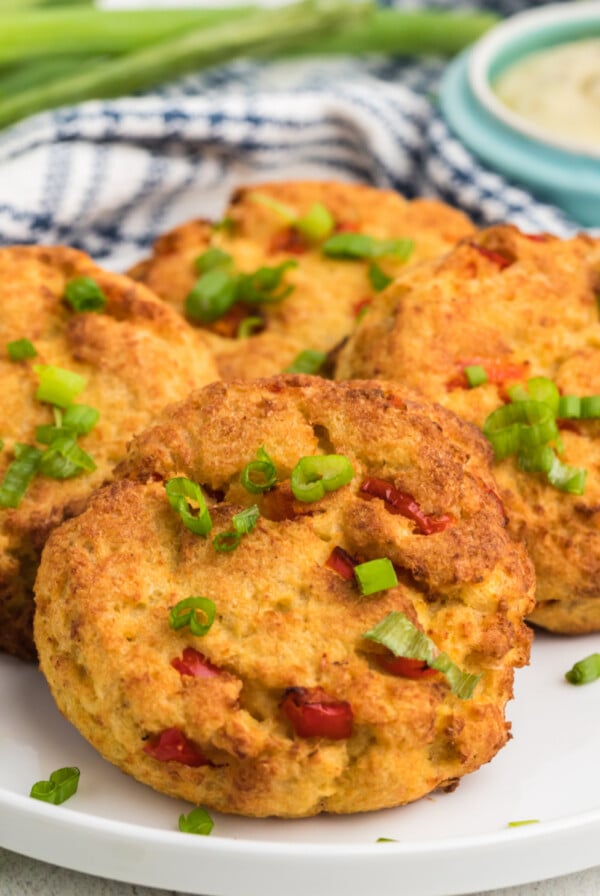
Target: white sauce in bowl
(557, 89)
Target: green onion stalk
(52, 56)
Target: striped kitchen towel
(108, 176)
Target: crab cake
(233, 668)
(124, 361)
(310, 299)
(519, 307)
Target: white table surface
(21, 876)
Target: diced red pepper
(342, 563)
(503, 261)
(313, 713)
(229, 323)
(289, 240)
(346, 227)
(405, 667)
(536, 237)
(194, 663)
(171, 745)
(499, 372)
(404, 504)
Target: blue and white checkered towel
(108, 177)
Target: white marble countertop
(21, 876)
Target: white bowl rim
(486, 49)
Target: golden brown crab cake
(322, 294)
(519, 306)
(282, 706)
(135, 356)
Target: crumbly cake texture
(135, 356)
(506, 300)
(328, 293)
(284, 618)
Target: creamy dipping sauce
(558, 89)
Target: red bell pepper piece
(194, 663)
(171, 745)
(313, 713)
(404, 504)
(503, 261)
(405, 667)
(342, 563)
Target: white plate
(446, 844)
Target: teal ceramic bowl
(555, 169)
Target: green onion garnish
(243, 523)
(81, 418)
(378, 278)
(590, 407)
(263, 285)
(198, 821)
(520, 425)
(585, 670)
(84, 294)
(385, 840)
(259, 475)
(211, 296)
(398, 634)
(376, 575)
(314, 475)
(249, 326)
(190, 611)
(179, 490)
(569, 407)
(63, 458)
(21, 350)
(316, 224)
(518, 824)
(567, 479)
(359, 245)
(285, 212)
(19, 474)
(307, 361)
(476, 375)
(62, 785)
(57, 385)
(212, 258)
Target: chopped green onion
(21, 350)
(308, 361)
(518, 392)
(19, 474)
(285, 212)
(316, 224)
(585, 671)
(81, 418)
(179, 490)
(84, 294)
(569, 407)
(187, 611)
(259, 475)
(378, 278)
(537, 460)
(519, 824)
(541, 388)
(590, 407)
(518, 426)
(261, 286)
(243, 523)
(385, 840)
(63, 458)
(314, 475)
(567, 479)
(1, 444)
(249, 326)
(47, 432)
(57, 385)
(376, 575)
(359, 245)
(476, 375)
(198, 821)
(211, 296)
(212, 258)
(226, 541)
(398, 634)
(62, 785)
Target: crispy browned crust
(540, 310)
(284, 619)
(328, 293)
(136, 357)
